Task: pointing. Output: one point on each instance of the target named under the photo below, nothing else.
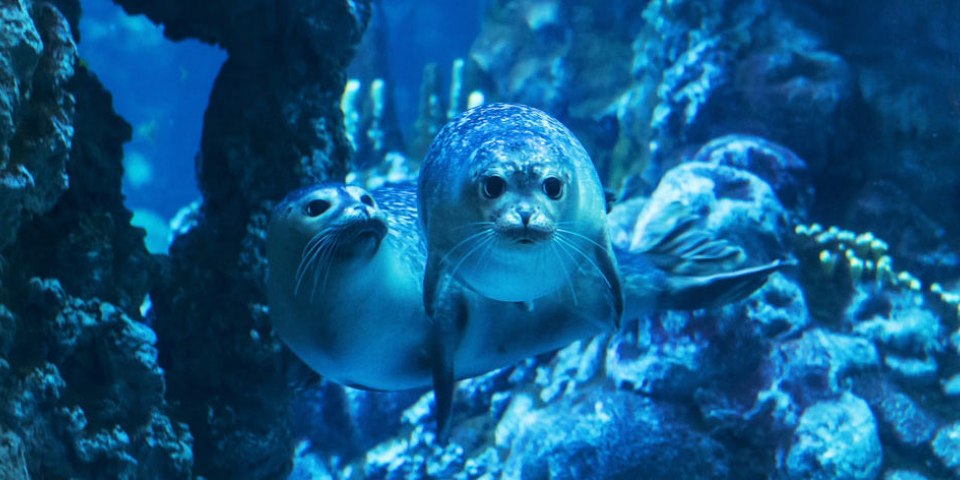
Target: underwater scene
(484, 239)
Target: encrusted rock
(273, 123)
(836, 440)
(607, 434)
(734, 204)
(36, 111)
(785, 172)
(13, 462)
(901, 419)
(946, 446)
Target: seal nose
(362, 210)
(525, 212)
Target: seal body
(513, 211)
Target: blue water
(161, 89)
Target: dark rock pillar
(273, 123)
(81, 392)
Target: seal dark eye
(553, 187)
(493, 186)
(367, 200)
(316, 207)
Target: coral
(838, 264)
(380, 154)
(370, 124)
(464, 93)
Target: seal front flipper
(431, 279)
(450, 312)
(607, 263)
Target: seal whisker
(326, 264)
(566, 272)
(479, 244)
(581, 236)
(486, 250)
(315, 243)
(318, 260)
(472, 225)
(310, 250)
(317, 251)
(569, 244)
(309, 258)
(305, 258)
(464, 242)
(317, 265)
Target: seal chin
(527, 236)
(511, 271)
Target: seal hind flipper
(608, 268)
(682, 249)
(708, 291)
(674, 264)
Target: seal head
(335, 225)
(336, 276)
(512, 206)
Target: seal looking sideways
(345, 295)
(340, 294)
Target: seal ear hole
(367, 200)
(315, 208)
(553, 187)
(493, 186)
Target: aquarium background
(823, 132)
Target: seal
(345, 276)
(512, 210)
